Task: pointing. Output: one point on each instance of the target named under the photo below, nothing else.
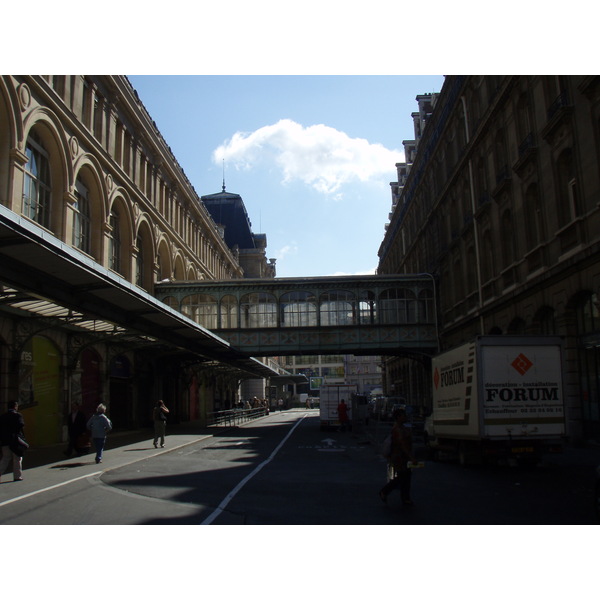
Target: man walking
(11, 427)
(401, 455)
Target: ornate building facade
(84, 170)
(501, 205)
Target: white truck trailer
(330, 396)
(498, 397)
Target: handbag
(19, 445)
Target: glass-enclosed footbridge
(372, 314)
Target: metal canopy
(62, 283)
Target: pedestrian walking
(400, 457)
(159, 415)
(99, 425)
(343, 415)
(76, 431)
(280, 403)
(12, 440)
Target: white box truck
(498, 397)
(331, 395)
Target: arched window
(588, 314)
(298, 309)
(471, 270)
(114, 250)
(201, 308)
(566, 197)
(337, 308)
(37, 184)
(500, 155)
(81, 219)
(508, 239)
(533, 217)
(481, 182)
(258, 309)
(487, 256)
(139, 262)
(524, 119)
(458, 286)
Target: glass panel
(367, 308)
(298, 309)
(258, 310)
(201, 308)
(337, 308)
(36, 184)
(81, 220)
(229, 317)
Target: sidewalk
(46, 467)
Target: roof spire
(223, 174)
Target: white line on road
(246, 479)
(52, 487)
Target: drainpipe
(475, 228)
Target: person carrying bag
(12, 440)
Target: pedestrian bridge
(372, 314)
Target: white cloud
(288, 249)
(320, 156)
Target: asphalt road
(282, 470)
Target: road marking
(111, 468)
(52, 487)
(246, 479)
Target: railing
(230, 418)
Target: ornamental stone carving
(24, 96)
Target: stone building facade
(82, 163)
(501, 205)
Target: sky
(281, 75)
(311, 156)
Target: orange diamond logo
(436, 378)
(522, 364)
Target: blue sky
(311, 156)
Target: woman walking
(159, 414)
(99, 425)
